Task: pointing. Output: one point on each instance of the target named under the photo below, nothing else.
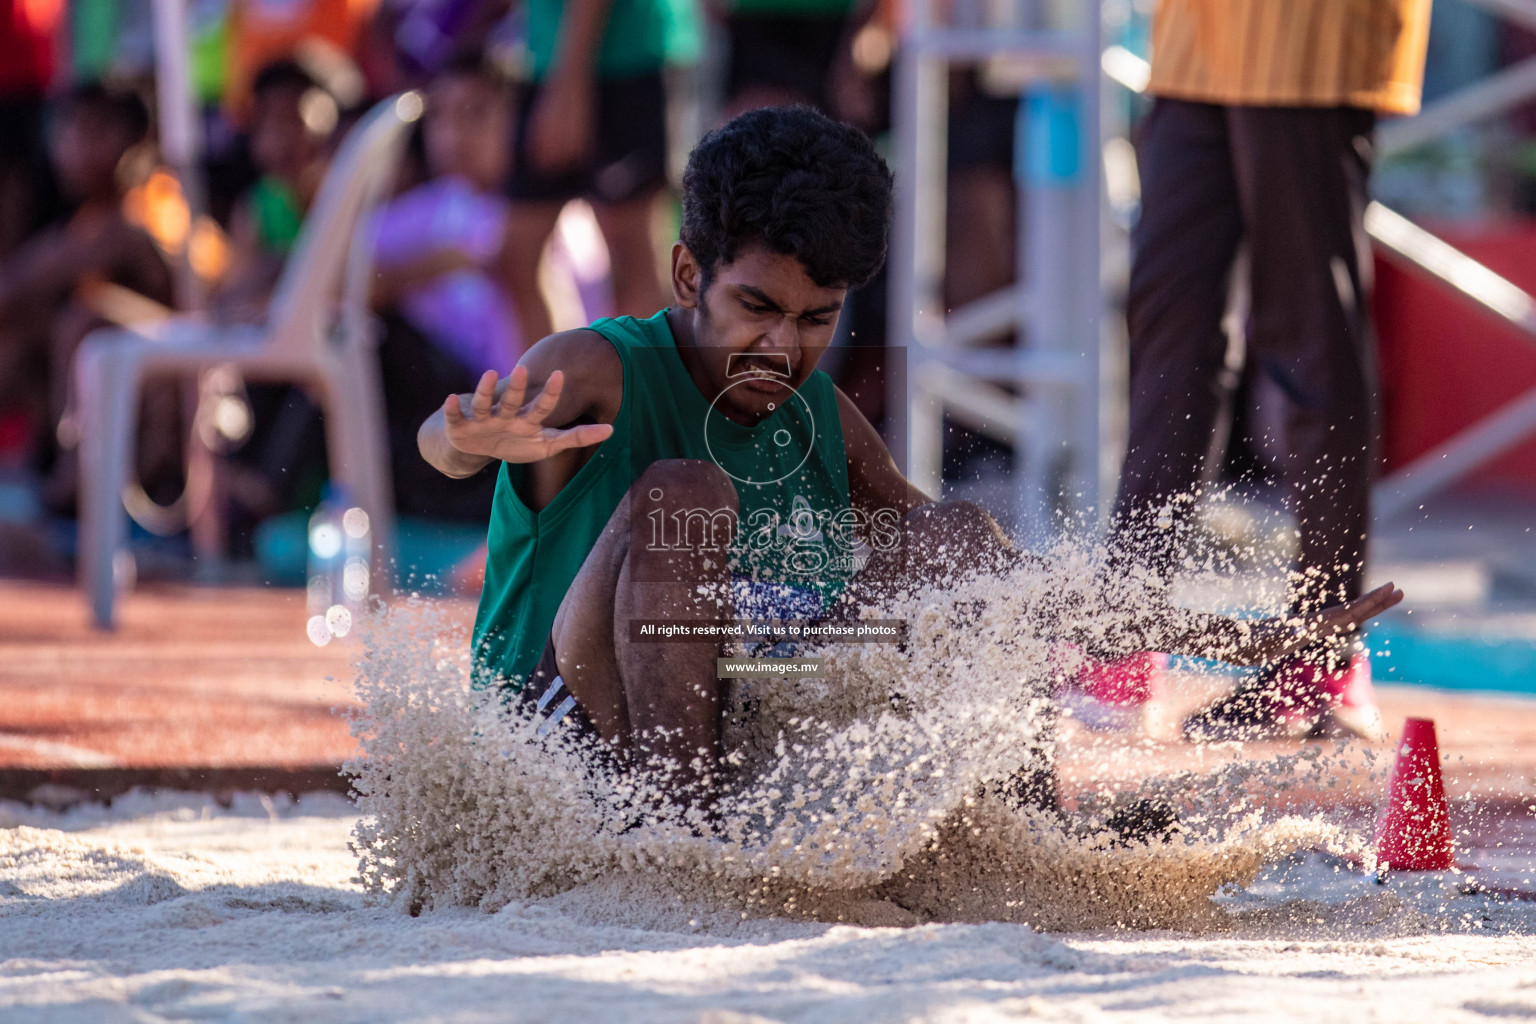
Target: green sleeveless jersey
(790, 553)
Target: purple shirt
(465, 312)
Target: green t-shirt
(791, 475)
(636, 37)
(277, 215)
(685, 33)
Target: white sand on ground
(172, 908)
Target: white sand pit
(172, 908)
(863, 863)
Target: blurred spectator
(436, 243)
(292, 119)
(262, 33)
(447, 319)
(592, 123)
(782, 52)
(1261, 130)
(837, 54)
(787, 51)
(78, 272)
(27, 61)
(423, 37)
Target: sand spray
(871, 794)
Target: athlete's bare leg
(655, 699)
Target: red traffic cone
(1414, 830)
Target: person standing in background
(1261, 132)
(782, 52)
(591, 123)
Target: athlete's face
(758, 329)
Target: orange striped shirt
(1305, 53)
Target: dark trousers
(1292, 182)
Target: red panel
(1445, 363)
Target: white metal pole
(181, 148)
(1092, 471)
(915, 314)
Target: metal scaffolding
(1041, 396)
(1514, 422)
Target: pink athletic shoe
(1110, 696)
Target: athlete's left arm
(874, 482)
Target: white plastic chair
(318, 331)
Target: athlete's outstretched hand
(508, 430)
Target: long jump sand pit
(176, 906)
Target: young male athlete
(696, 465)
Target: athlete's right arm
(564, 393)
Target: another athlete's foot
(1033, 789)
(1298, 698)
(1031, 786)
(1143, 821)
(1281, 702)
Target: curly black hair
(795, 181)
